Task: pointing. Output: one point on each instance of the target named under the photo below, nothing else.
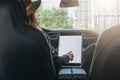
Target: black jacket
(58, 60)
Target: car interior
(18, 42)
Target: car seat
(24, 53)
(87, 57)
(106, 59)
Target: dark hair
(27, 2)
(31, 19)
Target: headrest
(7, 1)
(4, 1)
(19, 3)
(23, 8)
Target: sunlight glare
(108, 4)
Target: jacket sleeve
(59, 61)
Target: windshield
(95, 15)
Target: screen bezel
(73, 64)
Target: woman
(31, 20)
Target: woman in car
(31, 8)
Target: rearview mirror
(69, 3)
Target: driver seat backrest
(24, 53)
(106, 60)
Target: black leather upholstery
(87, 57)
(72, 73)
(106, 59)
(79, 74)
(65, 74)
(24, 53)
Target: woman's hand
(70, 55)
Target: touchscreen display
(71, 43)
